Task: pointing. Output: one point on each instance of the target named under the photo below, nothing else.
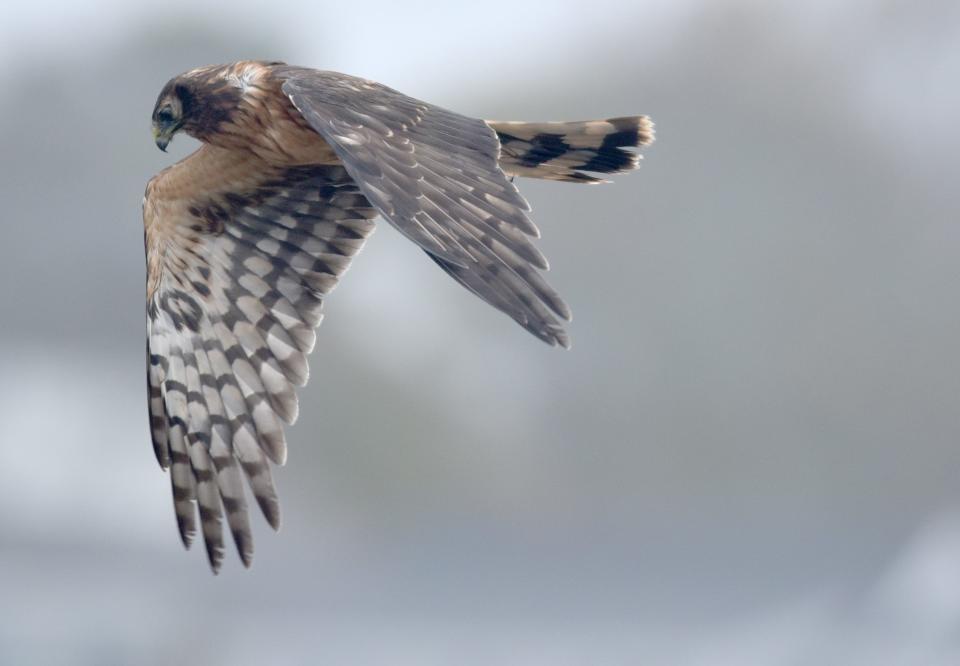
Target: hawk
(246, 236)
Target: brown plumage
(246, 236)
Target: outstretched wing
(433, 174)
(239, 258)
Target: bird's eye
(165, 115)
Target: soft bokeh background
(750, 456)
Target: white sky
(371, 38)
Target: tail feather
(571, 151)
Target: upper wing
(239, 257)
(433, 174)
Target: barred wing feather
(237, 271)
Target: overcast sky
(750, 455)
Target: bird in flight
(246, 236)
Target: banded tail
(566, 151)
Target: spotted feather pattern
(236, 281)
(433, 174)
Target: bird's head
(196, 102)
(168, 115)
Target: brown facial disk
(198, 102)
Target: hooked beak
(161, 138)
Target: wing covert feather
(434, 175)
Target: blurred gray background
(750, 456)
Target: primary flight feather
(246, 236)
